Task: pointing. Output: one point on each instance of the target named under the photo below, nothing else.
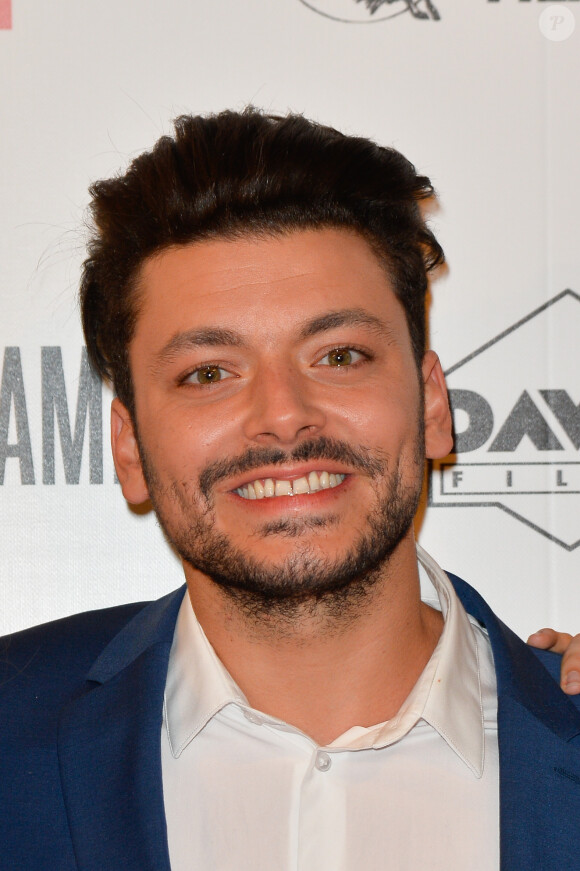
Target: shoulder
(529, 674)
(81, 635)
(41, 665)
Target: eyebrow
(349, 317)
(198, 338)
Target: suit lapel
(110, 749)
(538, 735)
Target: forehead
(254, 284)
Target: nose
(284, 407)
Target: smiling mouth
(267, 488)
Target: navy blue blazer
(80, 759)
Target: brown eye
(208, 374)
(340, 357)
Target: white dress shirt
(246, 792)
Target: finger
(546, 639)
(571, 667)
(562, 642)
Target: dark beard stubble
(305, 582)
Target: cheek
(176, 428)
(216, 433)
(191, 442)
(383, 418)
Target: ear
(438, 421)
(126, 455)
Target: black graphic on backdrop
(516, 412)
(372, 11)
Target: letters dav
(516, 411)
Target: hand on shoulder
(569, 646)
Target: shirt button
(322, 761)
(253, 718)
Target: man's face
(279, 411)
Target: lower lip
(295, 503)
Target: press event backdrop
(482, 95)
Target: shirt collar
(447, 695)
(198, 685)
(454, 706)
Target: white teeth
(298, 487)
(313, 482)
(269, 488)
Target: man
(323, 695)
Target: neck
(326, 670)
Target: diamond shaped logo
(516, 411)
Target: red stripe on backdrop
(5, 14)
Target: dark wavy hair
(232, 174)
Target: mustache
(323, 448)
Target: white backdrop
(483, 98)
